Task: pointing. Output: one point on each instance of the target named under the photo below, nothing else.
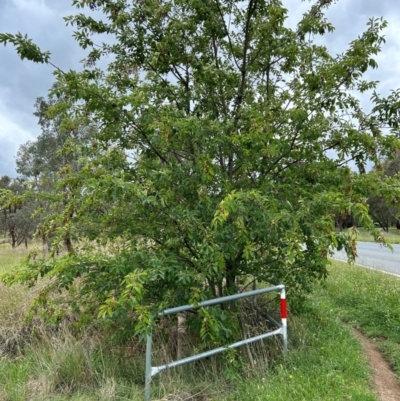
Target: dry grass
(14, 304)
(14, 300)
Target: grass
(313, 370)
(65, 369)
(393, 235)
(367, 300)
(325, 362)
(10, 257)
(15, 300)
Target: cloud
(11, 135)
(21, 82)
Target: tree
(382, 213)
(211, 162)
(41, 161)
(44, 156)
(344, 220)
(16, 220)
(381, 209)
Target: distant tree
(391, 165)
(16, 221)
(382, 213)
(384, 210)
(44, 156)
(345, 220)
(43, 160)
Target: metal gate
(282, 330)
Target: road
(376, 256)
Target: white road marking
(369, 267)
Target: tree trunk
(68, 244)
(339, 222)
(386, 227)
(13, 238)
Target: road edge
(368, 267)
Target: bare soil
(386, 385)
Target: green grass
(10, 257)
(325, 362)
(367, 300)
(393, 235)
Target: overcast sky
(21, 82)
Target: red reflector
(283, 309)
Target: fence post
(147, 388)
(284, 319)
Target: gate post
(284, 319)
(147, 388)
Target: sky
(21, 82)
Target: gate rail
(282, 330)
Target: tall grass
(62, 368)
(15, 300)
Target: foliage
(25, 47)
(221, 151)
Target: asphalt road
(376, 256)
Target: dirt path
(386, 386)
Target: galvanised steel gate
(282, 330)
